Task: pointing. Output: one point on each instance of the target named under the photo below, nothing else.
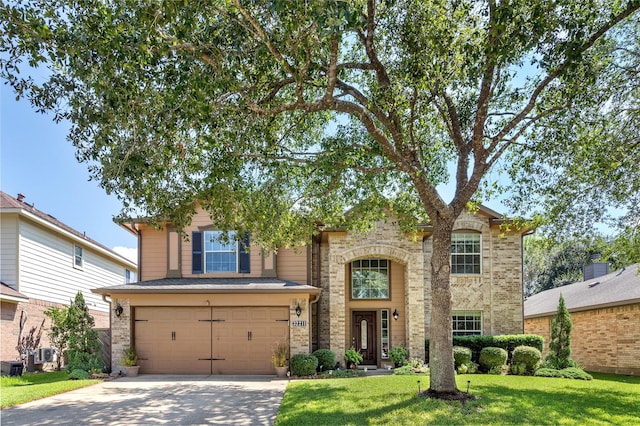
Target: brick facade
(11, 314)
(603, 340)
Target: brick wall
(11, 313)
(603, 340)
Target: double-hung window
(467, 323)
(465, 253)
(220, 255)
(370, 279)
(78, 257)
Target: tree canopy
(278, 114)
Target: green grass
(28, 387)
(607, 399)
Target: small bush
(518, 369)
(341, 374)
(326, 359)
(461, 355)
(472, 367)
(78, 374)
(405, 370)
(492, 357)
(352, 356)
(567, 373)
(398, 355)
(303, 364)
(527, 355)
(416, 363)
(462, 369)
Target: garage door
(181, 340)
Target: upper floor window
(78, 257)
(370, 279)
(220, 256)
(465, 253)
(467, 323)
(129, 276)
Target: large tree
(278, 114)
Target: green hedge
(508, 342)
(461, 356)
(326, 359)
(492, 357)
(528, 356)
(303, 364)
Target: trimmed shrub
(405, 370)
(461, 355)
(507, 342)
(491, 357)
(326, 359)
(78, 374)
(528, 356)
(398, 355)
(518, 369)
(567, 373)
(303, 364)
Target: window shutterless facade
(370, 279)
(467, 323)
(384, 333)
(78, 257)
(466, 252)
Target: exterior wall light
(119, 310)
(395, 314)
(298, 310)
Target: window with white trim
(384, 333)
(370, 279)
(465, 253)
(220, 255)
(129, 276)
(468, 323)
(78, 257)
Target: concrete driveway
(158, 399)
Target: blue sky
(37, 160)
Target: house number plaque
(299, 323)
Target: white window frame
(464, 238)
(231, 247)
(358, 265)
(78, 259)
(472, 323)
(385, 325)
(129, 276)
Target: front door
(363, 336)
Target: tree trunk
(441, 364)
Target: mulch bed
(449, 396)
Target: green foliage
(559, 355)
(129, 357)
(32, 386)
(303, 364)
(283, 114)
(83, 345)
(58, 330)
(326, 359)
(492, 357)
(567, 373)
(508, 342)
(398, 356)
(416, 363)
(518, 369)
(528, 356)
(78, 374)
(342, 374)
(352, 356)
(404, 370)
(461, 355)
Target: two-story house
(205, 306)
(44, 263)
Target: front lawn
(607, 399)
(31, 386)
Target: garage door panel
(174, 340)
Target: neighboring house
(605, 311)
(208, 307)
(44, 263)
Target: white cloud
(128, 252)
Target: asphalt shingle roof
(210, 285)
(617, 288)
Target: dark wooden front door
(363, 336)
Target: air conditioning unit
(46, 354)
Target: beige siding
(9, 250)
(154, 254)
(292, 265)
(47, 271)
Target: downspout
(104, 299)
